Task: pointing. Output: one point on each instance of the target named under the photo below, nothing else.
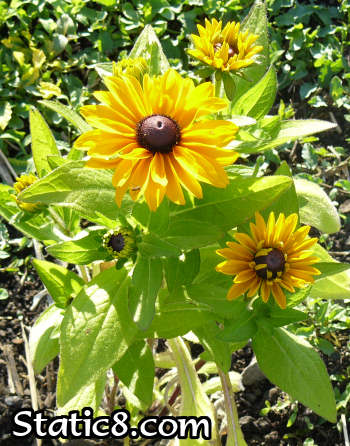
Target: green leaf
(61, 283)
(182, 272)
(189, 234)
(336, 286)
(259, 99)
(330, 268)
(146, 280)
(218, 351)
(316, 208)
(43, 339)
(43, 142)
(153, 246)
(290, 130)
(67, 113)
(229, 207)
(82, 250)
(240, 328)
(5, 114)
(3, 294)
(136, 370)
(255, 23)
(95, 332)
(176, 316)
(290, 362)
(34, 225)
(229, 85)
(87, 396)
(77, 187)
(279, 317)
(146, 39)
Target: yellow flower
(274, 257)
(152, 136)
(227, 49)
(131, 67)
(22, 183)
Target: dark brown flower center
(158, 133)
(117, 242)
(231, 50)
(274, 261)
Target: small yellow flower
(132, 67)
(151, 134)
(227, 49)
(274, 257)
(119, 242)
(22, 183)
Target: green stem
(219, 84)
(234, 433)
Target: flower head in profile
(275, 257)
(227, 49)
(22, 183)
(153, 136)
(119, 242)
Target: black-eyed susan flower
(152, 136)
(275, 257)
(227, 49)
(119, 242)
(22, 183)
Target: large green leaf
(37, 225)
(147, 279)
(82, 250)
(290, 130)
(43, 339)
(291, 363)
(259, 99)
(85, 190)
(61, 283)
(136, 370)
(229, 207)
(43, 142)
(95, 332)
(316, 208)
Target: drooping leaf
(44, 335)
(147, 279)
(182, 272)
(136, 370)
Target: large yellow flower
(227, 49)
(153, 137)
(276, 256)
